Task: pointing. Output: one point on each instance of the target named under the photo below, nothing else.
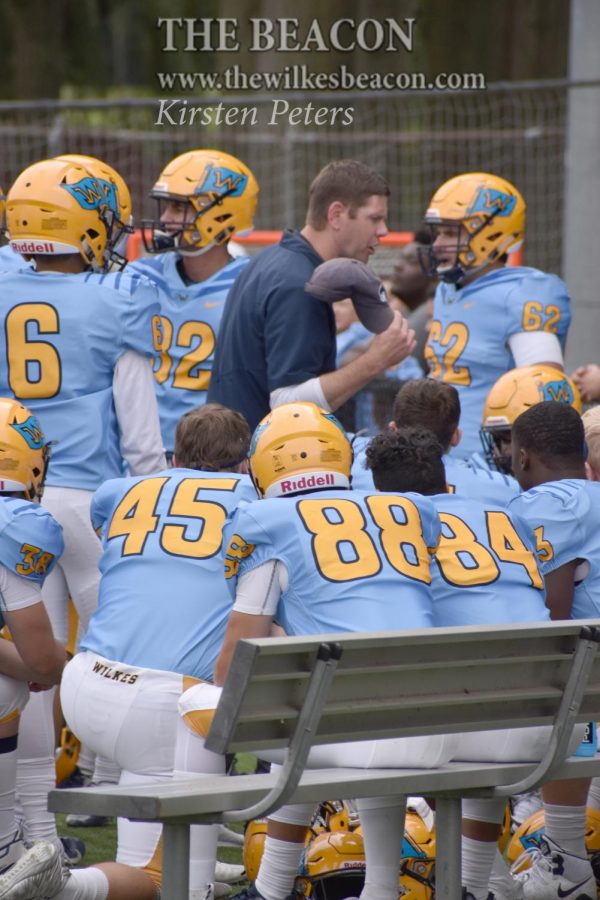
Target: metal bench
(295, 692)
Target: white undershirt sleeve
(258, 591)
(137, 414)
(310, 391)
(531, 347)
(17, 593)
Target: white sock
(191, 757)
(35, 777)
(477, 860)
(383, 831)
(593, 799)
(85, 884)
(278, 868)
(566, 826)
(11, 844)
(280, 859)
(500, 880)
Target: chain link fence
(417, 139)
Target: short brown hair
(429, 404)
(346, 180)
(211, 438)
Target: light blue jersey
(565, 516)
(483, 484)
(355, 562)
(11, 261)
(61, 338)
(462, 479)
(184, 334)
(486, 570)
(31, 541)
(163, 601)
(468, 340)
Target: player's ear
(392, 425)
(335, 214)
(456, 437)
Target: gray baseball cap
(338, 279)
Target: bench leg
(176, 862)
(447, 842)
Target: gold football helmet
(528, 836)
(116, 209)
(332, 866)
(299, 447)
(488, 214)
(219, 193)
(513, 393)
(54, 208)
(24, 452)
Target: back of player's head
(56, 208)
(212, 438)
(552, 432)
(591, 425)
(24, 452)
(431, 404)
(299, 447)
(407, 459)
(116, 209)
(349, 182)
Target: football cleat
(554, 873)
(73, 850)
(77, 820)
(228, 873)
(39, 873)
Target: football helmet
(254, 844)
(218, 196)
(116, 209)
(332, 866)
(299, 447)
(527, 837)
(513, 393)
(488, 214)
(54, 208)
(24, 452)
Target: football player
(161, 617)
(204, 198)
(485, 572)
(320, 558)
(30, 545)
(76, 347)
(563, 508)
(436, 406)
(488, 317)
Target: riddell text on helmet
(32, 246)
(304, 482)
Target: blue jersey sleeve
(31, 541)
(539, 302)
(556, 513)
(140, 304)
(246, 544)
(102, 505)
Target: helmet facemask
(494, 439)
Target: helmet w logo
(488, 200)
(221, 180)
(31, 432)
(94, 193)
(559, 391)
